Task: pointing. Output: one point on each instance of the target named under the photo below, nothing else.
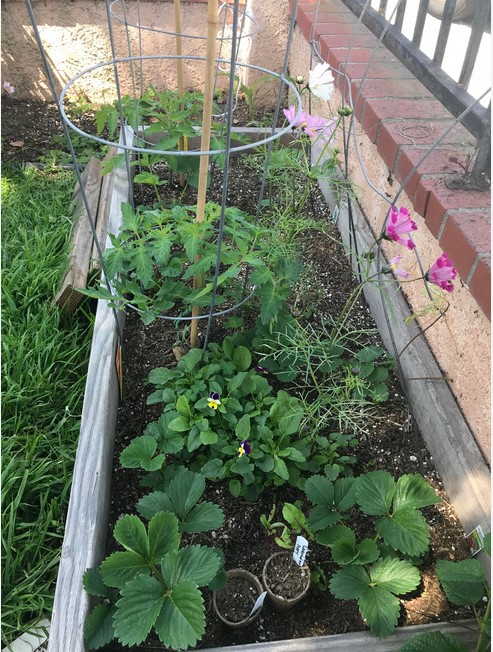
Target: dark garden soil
(32, 128)
(236, 601)
(389, 440)
(284, 578)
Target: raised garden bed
(390, 443)
(85, 528)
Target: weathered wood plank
(253, 134)
(68, 297)
(102, 217)
(87, 517)
(465, 474)
(464, 630)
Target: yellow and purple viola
(214, 400)
(244, 448)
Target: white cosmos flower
(320, 81)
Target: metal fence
(452, 94)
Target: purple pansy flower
(214, 401)
(245, 448)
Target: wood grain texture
(103, 214)
(87, 517)
(81, 244)
(458, 459)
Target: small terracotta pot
(279, 601)
(255, 583)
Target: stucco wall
(461, 340)
(76, 36)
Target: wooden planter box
(86, 526)
(88, 512)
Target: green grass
(44, 362)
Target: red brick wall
(459, 219)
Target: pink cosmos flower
(442, 273)
(290, 114)
(8, 88)
(328, 133)
(392, 267)
(399, 224)
(312, 125)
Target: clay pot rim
(254, 581)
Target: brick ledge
(397, 112)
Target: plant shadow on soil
(390, 441)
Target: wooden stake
(179, 62)
(205, 141)
(179, 73)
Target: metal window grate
(452, 94)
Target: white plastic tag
(300, 550)
(258, 603)
(475, 540)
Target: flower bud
(344, 111)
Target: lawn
(44, 361)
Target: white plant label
(258, 603)
(475, 540)
(300, 550)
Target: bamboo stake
(205, 141)
(179, 62)
(179, 73)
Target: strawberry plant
(154, 582)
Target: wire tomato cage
(135, 71)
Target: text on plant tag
(300, 550)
